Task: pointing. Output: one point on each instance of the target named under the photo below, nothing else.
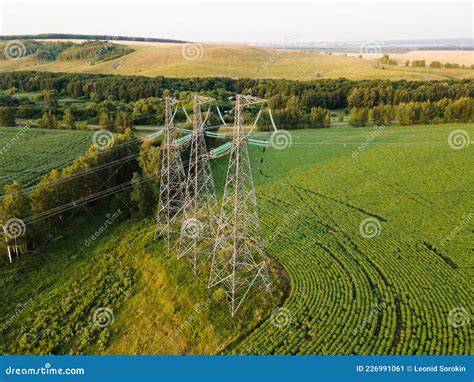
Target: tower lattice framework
(239, 258)
(172, 180)
(199, 213)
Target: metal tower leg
(199, 221)
(172, 180)
(239, 258)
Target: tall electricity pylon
(238, 258)
(199, 220)
(172, 180)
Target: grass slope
(238, 61)
(158, 306)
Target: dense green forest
(95, 51)
(92, 51)
(42, 51)
(295, 104)
(331, 94)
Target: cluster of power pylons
(223, 240)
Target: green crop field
(353, 294)
(387, 285)
(29, 153)
(239, 61)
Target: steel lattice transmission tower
(172, 180)
(239, 258)
(199, 220)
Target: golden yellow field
(465, 57)
(196, 60)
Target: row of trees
(461, 110)
(294, 104)
(386, 60)
(437, 64)
(448, 65)
(367, 96)
(289, 119)
(418, 63)
(81, 179)
(327, 93)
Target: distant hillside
(41, 51)
(67, 36)
(238, 61)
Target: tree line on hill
(93, 51)
(69, 36)
(295, 104)
(414, 113)
(437, 64)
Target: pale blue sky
(243, 21)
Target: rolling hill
(236, 61)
